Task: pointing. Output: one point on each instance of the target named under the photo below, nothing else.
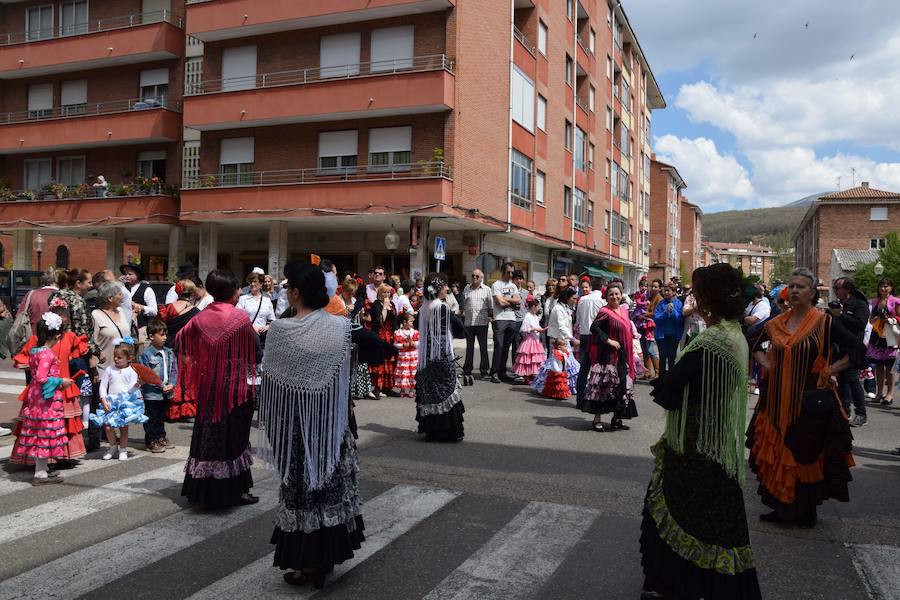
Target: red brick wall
(83, 253)
(12, 16)
(660, 217)
(848, 226)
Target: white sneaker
(5, 431)
(870, 395)
(123, 455)
(110, 452)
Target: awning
(598, 272)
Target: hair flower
(58, 303)
(52, 320)
(125, 340)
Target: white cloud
(713, 180)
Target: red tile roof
(860, 192)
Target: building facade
(753, 259)
(691, 236)
(665, 220)
(514, 131)
(858, 218)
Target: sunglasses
(476, 276)
(379, 272)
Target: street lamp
(392, 242)
(38, 245)
(879, 269)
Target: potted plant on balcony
(208, 181)
(154, 185)
(82, 191)
(26, 195)
(116, 189)
(56, 190)
(128, 189)
(170, 190)
(141, 185)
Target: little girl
(43, 432)
(406, 340)
(530, 354)
(120, 395)
(557, 376)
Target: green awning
(598, 272)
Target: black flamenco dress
(439, 407)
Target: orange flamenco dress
(182, 405)
(69, 347)
(800, 459)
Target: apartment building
(512, 130)
(666, 203)
(858, 218)
(691, 236)
(753, 259)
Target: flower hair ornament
(125, 340)
(58, 303)
(179, 288)
(52, 320)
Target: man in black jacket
(853, 314)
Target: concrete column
(176, 247)
(278, 249)
(364, 261)
(115, 249)
(418, 262)
(209, 249)
(22, 249)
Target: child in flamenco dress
(69, 346)
(120, 396)
(558, 374)
(530, 355)
(42, 435)
(406, 340)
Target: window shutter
(390, 139)
(339, 55)
(236, 151)
(73, 92)
(40, 96)
(338, 143)
(238, 68)
(155, 77)
(392, 48)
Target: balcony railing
(582, 104)
(93, 26)
(525, 41)
(420, 170)
(582, 44)
(434, 62)
(89, 109)
(85, 192)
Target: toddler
(120, 396)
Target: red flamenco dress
(553, 380)
(407, 343)
(183, 404)
(383, 375)
(69, 347)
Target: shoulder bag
(21, 328)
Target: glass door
(39, 23)
(73, 17)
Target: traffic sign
(440, 248)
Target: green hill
(759, 225)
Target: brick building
(752, 258)
(513, 131)
(858, 218)
(665, 220)
(691, 236)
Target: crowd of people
(101, 355)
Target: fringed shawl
(305, 384)
(435, 338)
(723, 399)
(220, 346)
(619, 328)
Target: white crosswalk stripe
(11, 388)
(57, 512)
(21, 478)
(387, 517)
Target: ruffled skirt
(361, 382)
(182, 404)
(439, 408)
(405, 371)
(606, 392)
(529, 357)
(42, 430)
(124, 409)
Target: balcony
(73, 209)
(121, 40)
(212, 20)
(423, 84)
(90, 125)
(301, 192)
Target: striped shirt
(477, 305)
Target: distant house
(691, 236)
(753, 259)
(856, 219)
(844, 261)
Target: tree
(784, 257)
(889, 256)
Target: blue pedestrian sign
(440, 248)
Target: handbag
(817, 402)
(21, 328)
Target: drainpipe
(574, 117)
(509, 145)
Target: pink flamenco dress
(43, 428)
(530, 354)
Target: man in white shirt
(506, 302)
(141, 295)
(477, 302)
(401, 301)
(586, 311)
(378, 277)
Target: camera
(834, 304)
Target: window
(390, 149)
(591, 97)
(236, 161)
(647, 128)
(152, 164)
(609, 119)
(539, 183)
(646, 243)
(37, 173)
(592, 40)
(878, 213)
(567, 201)
(155, 86)
(646, 167)
(542, 113)
(520, 180)
(614, 179)
(590, 213)
(568, 135)
(624, 185)
(62, 257)
(623, 231)
(70, 170)
(614, 229)
(608, 169)
(39, 23)
(578, 208)
(580, 148)
(590, 156)
(339, 55)
(623, 142)
(522, 99)
(570, 9)
(570, 67)
(542, 37)
(73, 17)
(626, 95)
(617, 34)
(239, 68)
(877, 243)
(392, 49)
(40, 100)
(337, 152)
(606, 222)
(609, 16)
(73, 97)
(608, 67)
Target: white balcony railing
(91, 26)
(89, 109)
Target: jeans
(849, 389)
(668, 350)
(155, 427)
(517, 340)
(479, 333)
(504, 333)
(584, 344)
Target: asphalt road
(532, 504)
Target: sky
(769, 101)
